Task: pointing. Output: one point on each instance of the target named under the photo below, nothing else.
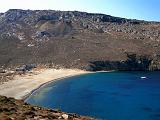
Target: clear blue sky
(135, 9)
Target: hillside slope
(11, 109)
(75, 39)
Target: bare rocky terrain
(11, 109)
(73, 39)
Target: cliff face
(133, 63)
(77, 40)
(11, 109)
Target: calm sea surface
(107, 96)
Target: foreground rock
(11, 109)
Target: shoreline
(22, 86)
(47, 83)
(44, 84)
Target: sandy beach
(23, 85)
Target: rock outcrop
(133, 63)
(11, 109)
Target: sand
(23, 85)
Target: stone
(65, 116)
(27, 67)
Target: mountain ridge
(76, 39)
(96, 13)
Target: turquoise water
(107, 96)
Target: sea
(104, 95)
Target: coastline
(44, 84)
(22, 86)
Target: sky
(134, 9)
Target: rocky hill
(11, 109)
(75, 39)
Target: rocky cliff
(75, 39)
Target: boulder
(65, 116)
(27, 67)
